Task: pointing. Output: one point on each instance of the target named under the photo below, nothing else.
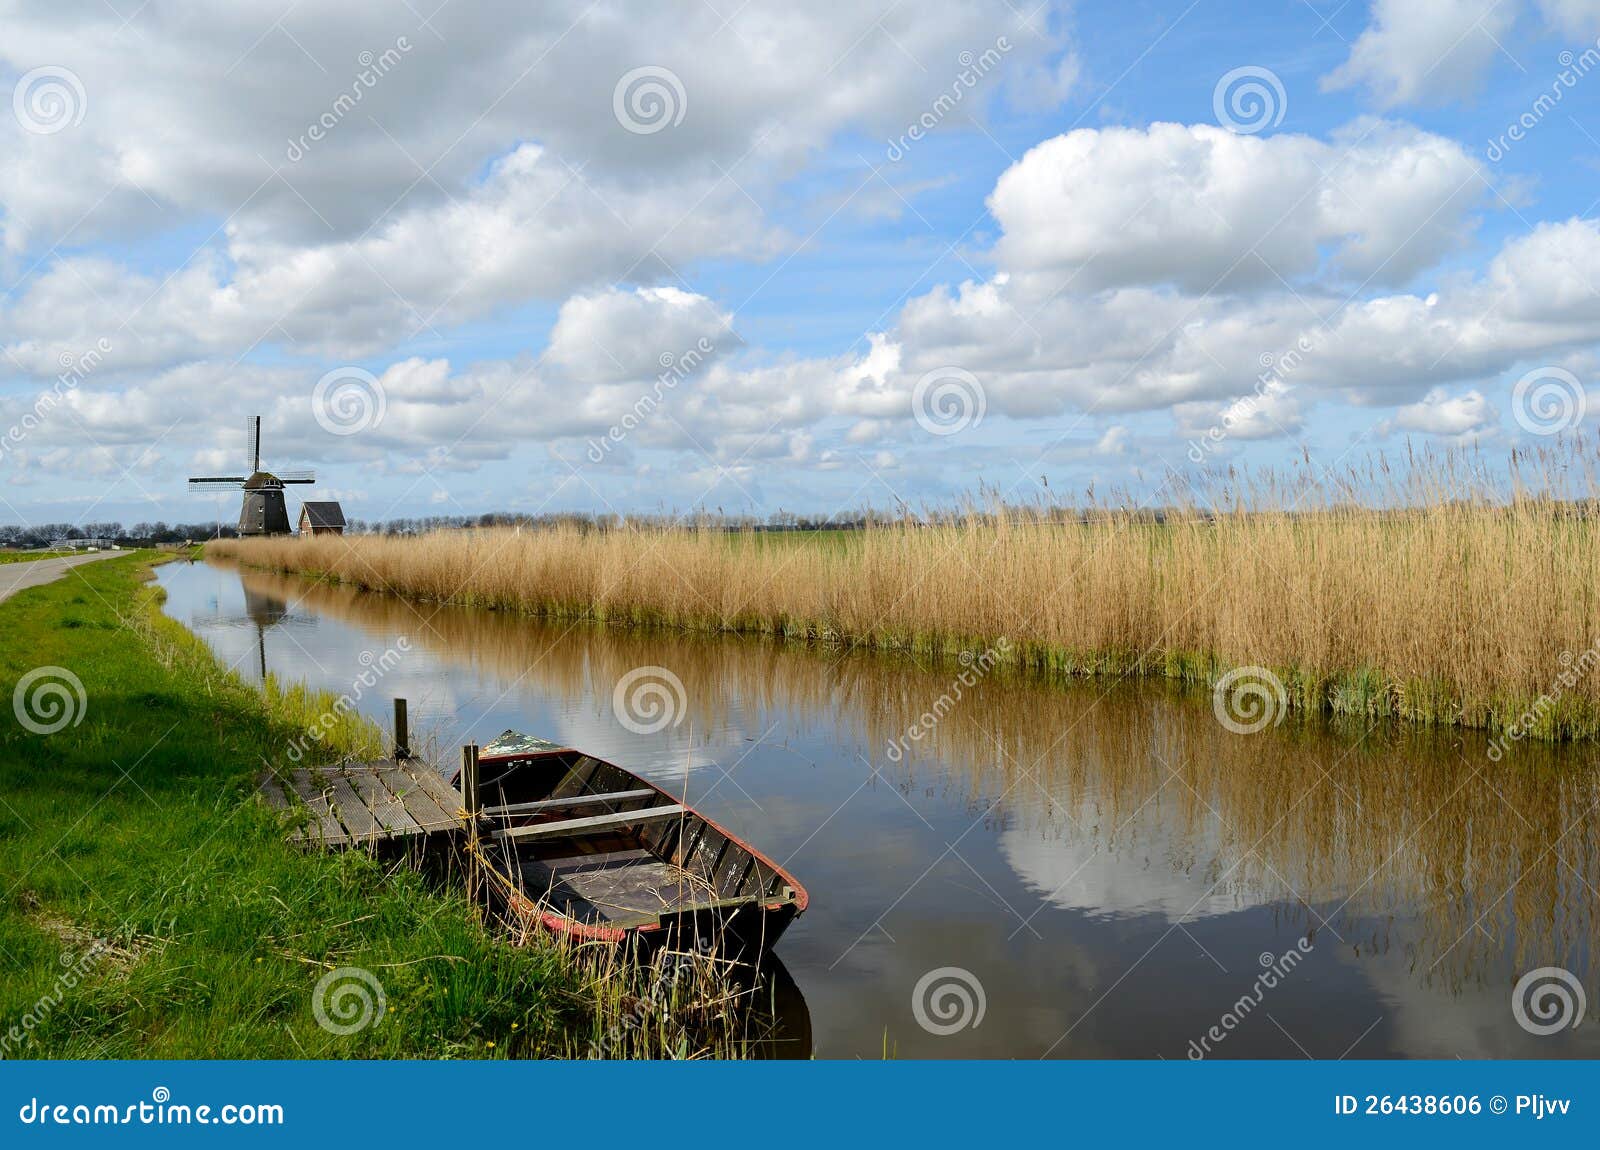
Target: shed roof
(322, 514)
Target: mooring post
(469, 803)
(402, 734)
(469, 782)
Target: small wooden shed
(321, 519)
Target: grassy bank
(1463, 601)
(152, 909)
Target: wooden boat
(596, 852)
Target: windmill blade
(252, 438)
(216, 482)
(298, 475)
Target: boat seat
(570, 801)
(593, 823)
(616, 889)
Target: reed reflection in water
(1106, 860)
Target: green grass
(30, 556)
(132, 838)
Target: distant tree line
(40, 535)
(139, 535)
(151, 534)
(780, 521)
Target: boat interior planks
(595, 851)
(620, 888)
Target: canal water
(1002, 867)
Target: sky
(768, 257)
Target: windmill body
(263, 510)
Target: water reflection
(264, 610)
(1106, 858)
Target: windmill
(263, 511)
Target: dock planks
(364, 804)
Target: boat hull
(596, 853)
(745, 931)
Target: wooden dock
(365, 804)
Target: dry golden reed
(1443, 591)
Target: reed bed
(1443, 589)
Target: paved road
(15, 577)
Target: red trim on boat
(561, 924)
